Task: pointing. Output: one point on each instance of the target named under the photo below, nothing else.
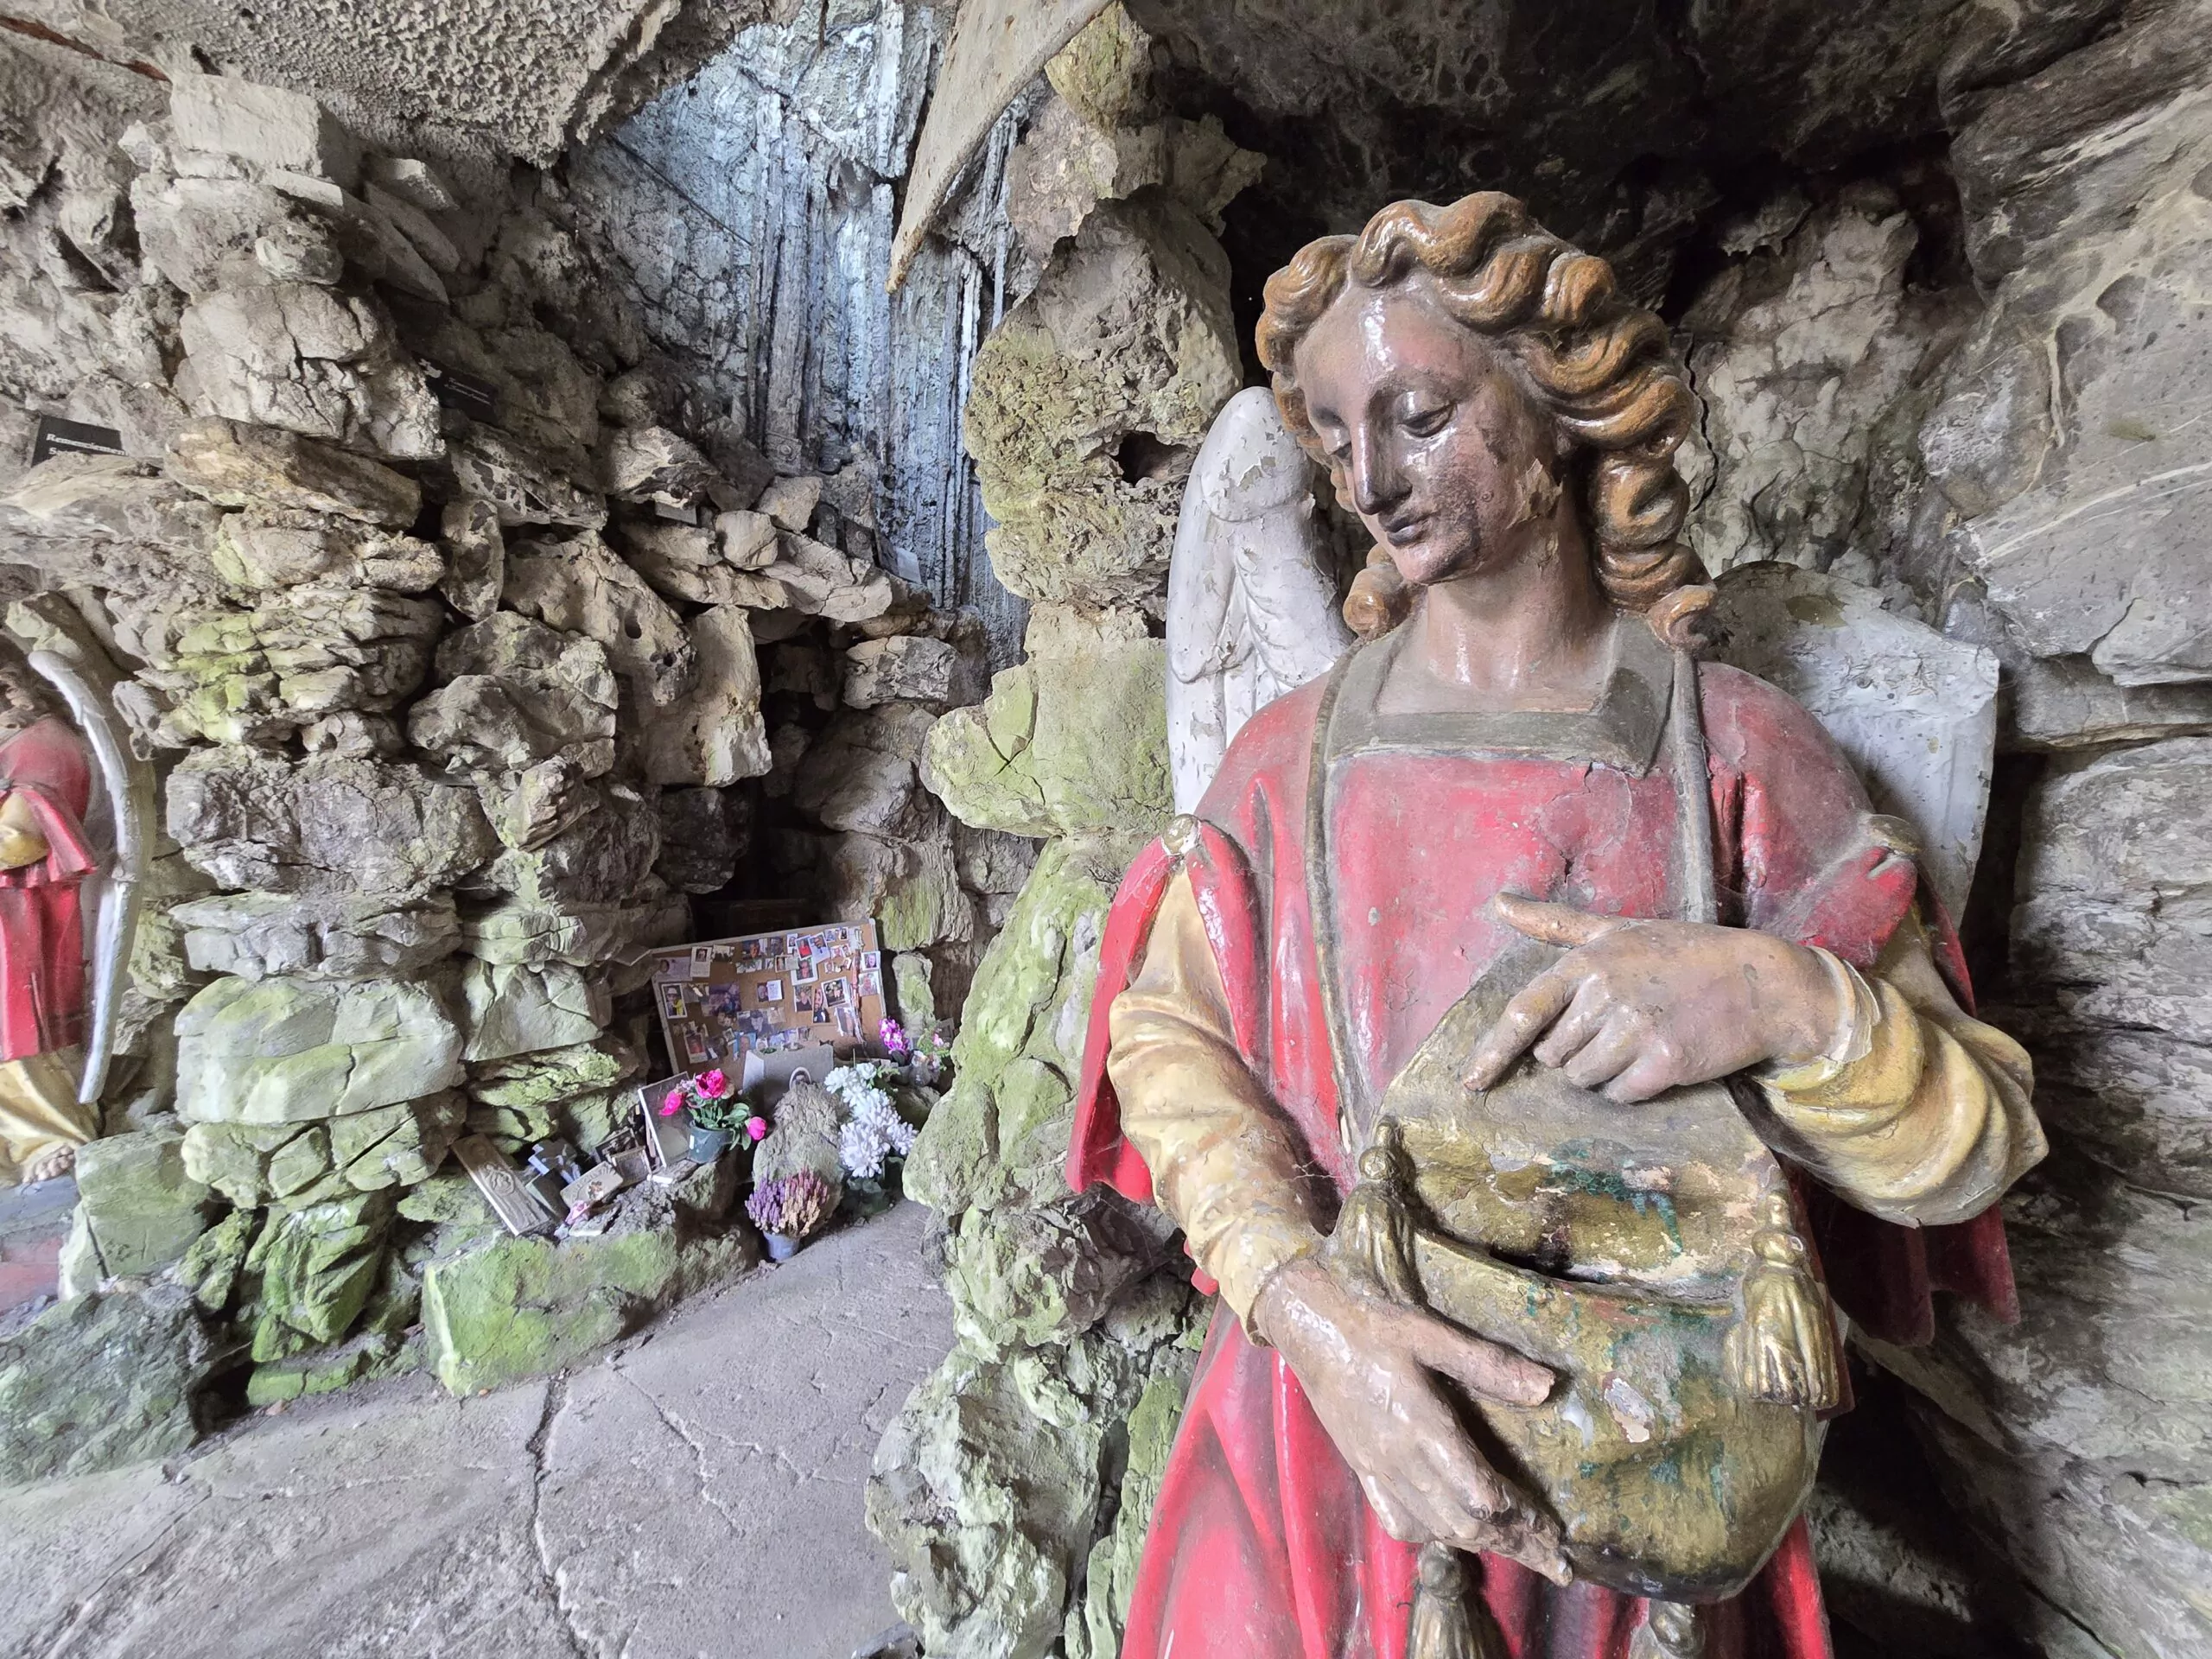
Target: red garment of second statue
(41, 925)
(1261, 1545)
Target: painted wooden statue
(1535, 1033)
(45, 787)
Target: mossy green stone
(520, 1307)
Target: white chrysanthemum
(871, 1136)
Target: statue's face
(1447, 462)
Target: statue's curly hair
(1600, 367)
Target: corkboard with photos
(763, 992)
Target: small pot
(707, 1145)
(781, 1246)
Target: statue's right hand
(1367, 1364)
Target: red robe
(41, 926)
(1261, 1545)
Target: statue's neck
(1533, 633)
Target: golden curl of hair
(1600, 367)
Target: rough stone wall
(754, 208)
(2019, 454)
(452, 711)
(1014, 1489)
(473, 81)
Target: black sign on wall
(56, 436)
(471, 395)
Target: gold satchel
(1649, 1254)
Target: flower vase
(707, 1145)
(781, 1246)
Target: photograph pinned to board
(767, 993)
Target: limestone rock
(416, 181)
(324, 826)
(1090, 399)
(525, 1082)
(908, 884)
(264, 126)
(519, 1308)
(258, 550)
(516, 693)
(2085, 204)
(2110, 954)
(861, 774)
(654, 464)
(235, 465)
(1074, 741)
(712, 734)
(1001, 1132)
(113, 498)
(1809, 364)
(1067, 163)
(818, 580)
(421, 231)
(512, 1009)
(601, 858)
(101, 1381)
(397, 1146)
(252, 1165)
(523, 488)
(580, 587)
(298, 356)
(905, 668)
(203, 234)
(791, 502)
(136, 1201)
(284, 1051)
(582, 935)
(804, 1136)
(703, 832)
(746, 540)
(476, 557)
(256, 935)
(309, 1273)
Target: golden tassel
(1450, 1621)
(1783, 1349)
(1373, 1245)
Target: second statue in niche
(1533, 1031)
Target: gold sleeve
(20, 843)
(1931, 1119)
(1226, 1162)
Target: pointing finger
(1553, 923)
(1540, 1001)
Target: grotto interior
(502, 488)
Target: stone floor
(695, 1492)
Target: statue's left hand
(1637, 1007)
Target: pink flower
(671, 1102)
(713, 1084)
(756, 1129)
(892, 1036)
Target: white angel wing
(1915, 713)
(1252, 613)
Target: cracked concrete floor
(697, 1491)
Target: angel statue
(1537, 1036)
(1251, 610)
(56, 1021)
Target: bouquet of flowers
(792, 1207)
(924, 1052)
(874, 1132)
(714, 1105)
